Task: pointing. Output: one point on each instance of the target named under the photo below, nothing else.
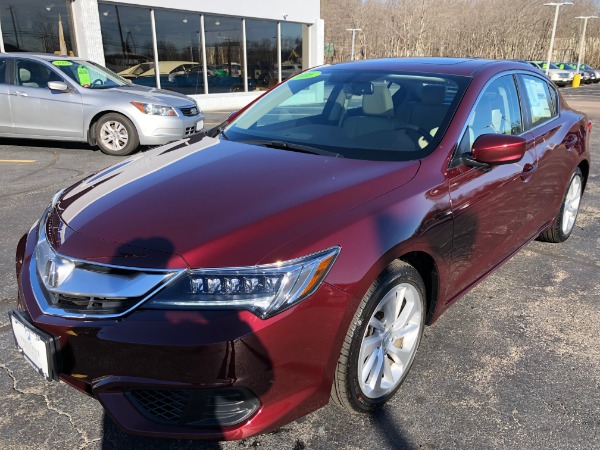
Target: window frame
(555, 108)
(456, 159)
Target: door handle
(528, 170)
(570, 143)
(19, 93)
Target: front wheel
(562, 226)
(116, 135)
(382, 341)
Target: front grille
(92, 305)
(190, 111)
(190, 130)
(194, 407)
(162, 405)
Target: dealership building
(221, 52)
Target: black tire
(556, 232)
(125, 140)
(347, 392)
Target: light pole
(354, 30)
(558, 5)
(582, 44)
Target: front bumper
(159, 130)
(166, 373)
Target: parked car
(194, 81)
(596, 72)
(560, 77)
(144, 74)
(224, 286)
(69, 99)
(588, 75)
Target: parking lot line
(17, 160)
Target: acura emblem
(194, 111)
(51, 273)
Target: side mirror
(58, 86)
(494, 149)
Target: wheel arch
(584, 166)
(427, 268)
(91, 129)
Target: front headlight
(263, 290)
(154, 109)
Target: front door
(488, 204)
(38, 111)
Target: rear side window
(541, 99)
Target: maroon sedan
(224, 285)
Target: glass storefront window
(127, 39)
(179, 51)
(224, 54)
(261, 48)
(291, 49)
(37, 26)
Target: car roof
(42, 56)
(451, 66)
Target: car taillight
(589, 126)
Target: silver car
(61, 98)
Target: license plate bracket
(39, 348)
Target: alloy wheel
(571, 205)
(114, 135)
(390, 341)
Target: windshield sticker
(84, 76)
(62, 63)
(305, 75)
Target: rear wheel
(116, 135)
(563, 224)
(382, 341)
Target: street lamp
(354, 30)
(582, 44)
(558, 5)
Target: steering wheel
(98, 82)
(418, 130)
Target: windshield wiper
(291, 146)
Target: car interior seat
(429, 113)
(377, 113)
(25, 78)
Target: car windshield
(371, 115)
(90, 75)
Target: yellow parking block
(17, 160)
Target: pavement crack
(82, 433)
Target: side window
(542, 103)
(497, 112)
(33, 74)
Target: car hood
(154, 95)
(218, 203)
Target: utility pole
(354, 30)
(558, 5)
(582, 44)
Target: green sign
(84, 76)
(305, 75)
(62, 63)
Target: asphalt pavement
(514, 364)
